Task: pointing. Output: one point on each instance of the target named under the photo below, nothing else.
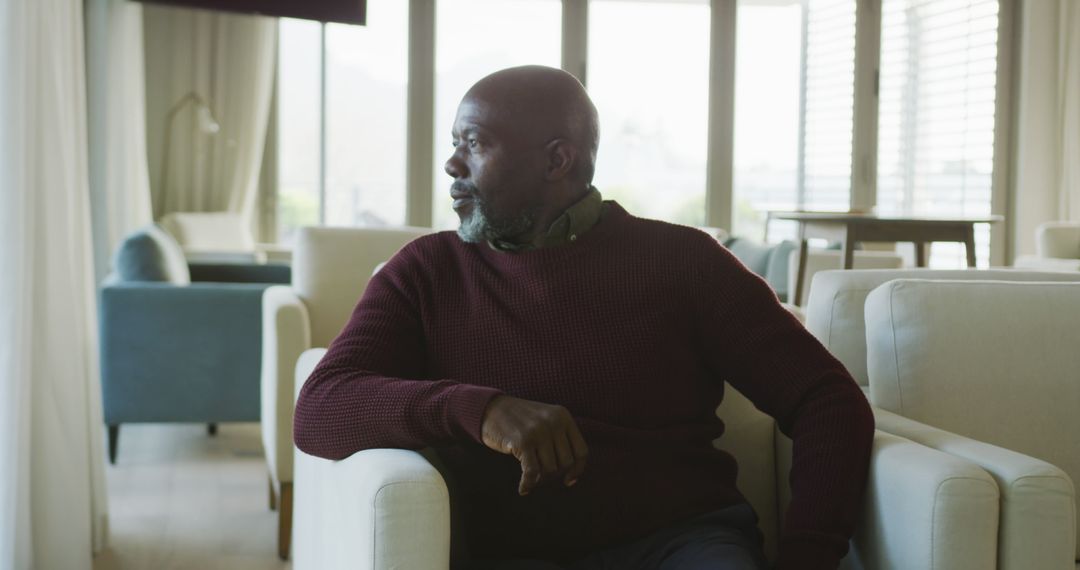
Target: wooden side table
(849, 229)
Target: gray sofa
(180, 342)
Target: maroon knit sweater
(633, 328)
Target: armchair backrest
(332, 266)
(994, 361)
(750, 436)
(210, 231)
(1058, 239)
(834, 312)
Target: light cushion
(834, 311)
(210, 231)
(151, 254)
(993, 361)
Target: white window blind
(936, 113)
(828, 97)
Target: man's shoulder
(670, 235)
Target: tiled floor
(179, 499)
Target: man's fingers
(530, 471)
(547, 455)
(581, 454)
(564, 451)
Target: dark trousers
(727, 539)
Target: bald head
(542, 104)
(525, 143)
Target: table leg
(848, 248)
(800, 275)
(969, 245)
(920, 253)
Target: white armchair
(331, 268)
(382, 509)
(1057, 248)
(834, 312)
(996, 362)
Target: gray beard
(479, 227)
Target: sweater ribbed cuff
(796, 554)
(466, 407)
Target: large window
(298, 99)
(936, 114)
(828, 90)
(648, 74)
(515, 32)
(358, 177)
(768, 59)
(366, 80)
(797, 85)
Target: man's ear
(561, 158)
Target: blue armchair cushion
(151, 254)
(768, 261)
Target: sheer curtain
(1048, 149)
(116, 88)
(228, 59)
(52, 510)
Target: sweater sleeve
(368, 390)
(764, 352)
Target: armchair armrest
(1038, 504)
(925, 509)
(166, 350)
(286, 334)
(377, 509)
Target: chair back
(750, 436)
(210, 231)
(834, 313)
(1058, 239)
(994, 361)
(332, 266)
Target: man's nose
(454, 167)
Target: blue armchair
(179, 342)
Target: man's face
(496, 187)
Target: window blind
(936, 112)
(827, 104)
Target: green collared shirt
(571, 225)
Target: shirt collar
(567, 228)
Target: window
(515, 32)
(828, 104)
(648, 74)
(298, 126)
(366, 80)
(364, 157)
(768, 59)
(936, 113)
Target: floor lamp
(207, 124)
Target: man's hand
(543, 438)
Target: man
(566, 360)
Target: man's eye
(473, 143)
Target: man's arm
(365, 394)
(368, 391)
(762, 350)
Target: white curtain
(116, 87)
(1048, 129)
(229, 60)
(52, 509)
